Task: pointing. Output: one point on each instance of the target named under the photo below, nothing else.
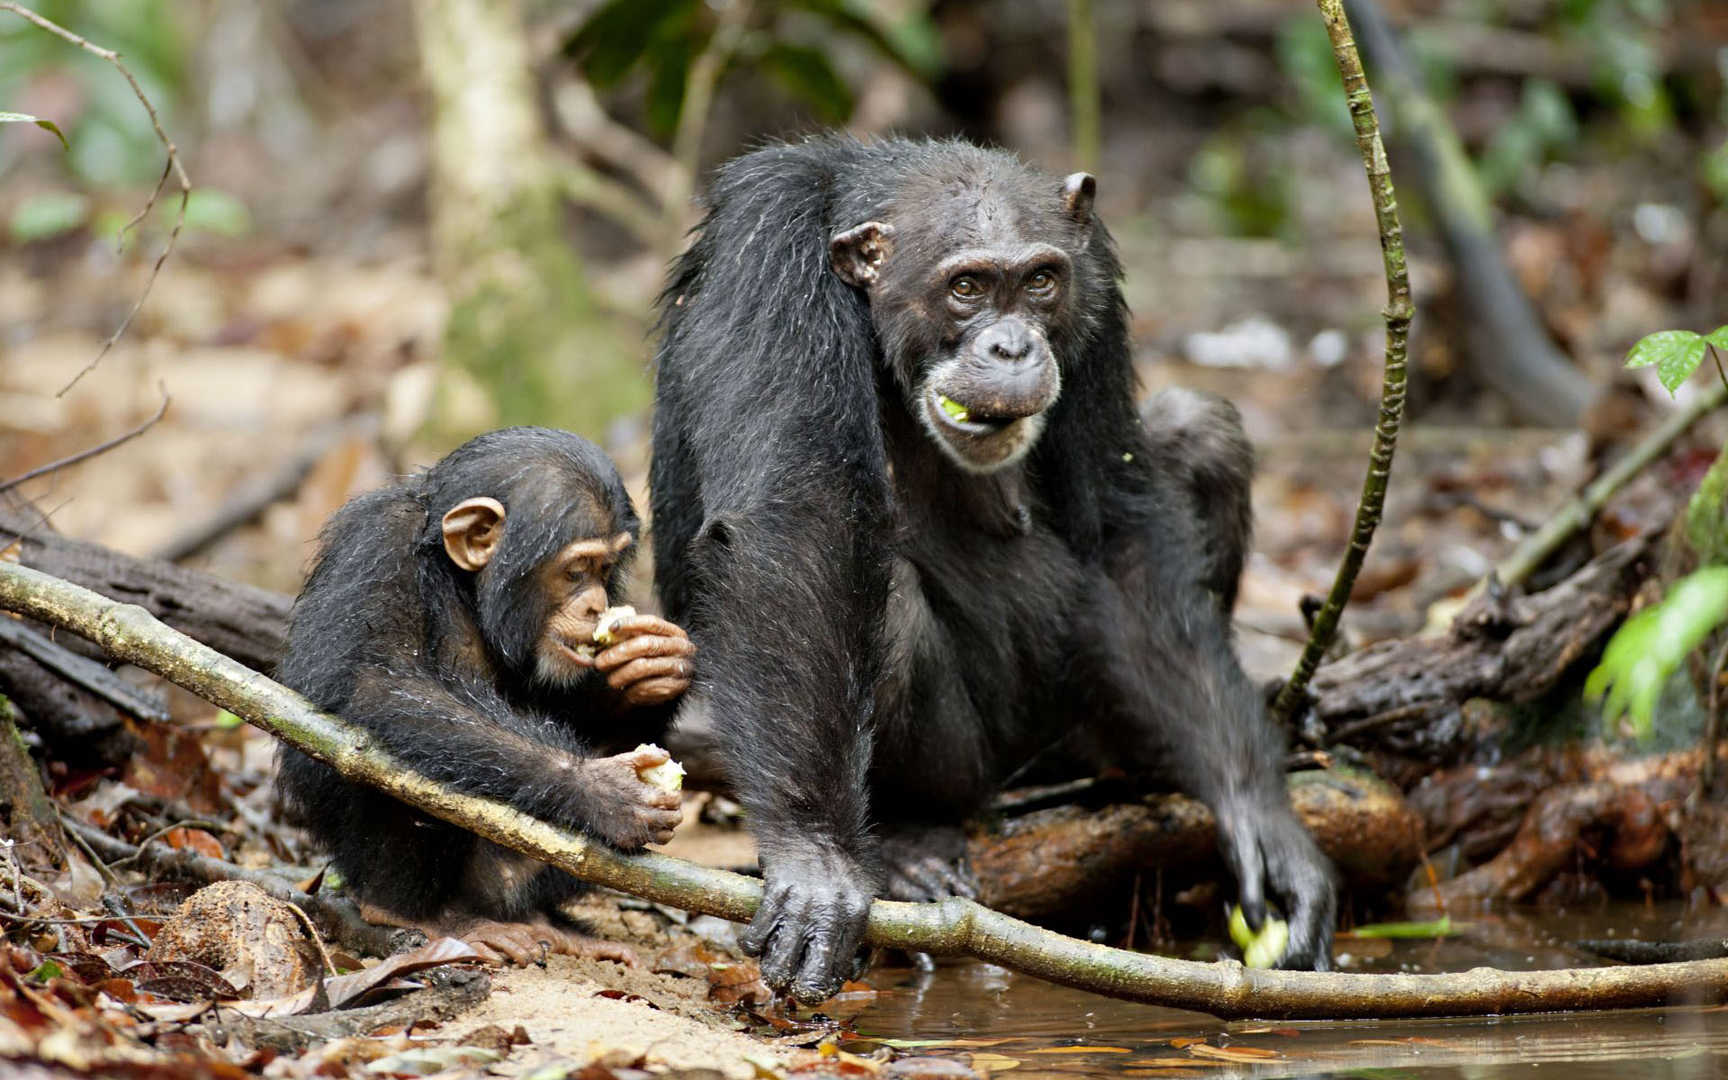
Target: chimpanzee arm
(1177, 701)
(770, 508)
(471, 740)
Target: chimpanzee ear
(1077, 192)
(472, 531)
(858, 253)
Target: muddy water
(1033, 1029)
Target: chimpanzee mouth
(952, 415)
(980, 441)
(581, 653)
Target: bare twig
(339, 919)
(188, 823)
(99, 448)
(581, 117)
(172, 167)
(1083, 94)
(949, 928)
(1534, 549)
(246, 504)
(1398, 313)
(698, 100)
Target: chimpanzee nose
(1008, 340)
(590, 602)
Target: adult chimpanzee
(452, 615)
(903, 502)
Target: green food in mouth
(953, 408)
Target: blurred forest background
(415, 220)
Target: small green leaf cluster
(1676, 354)
(1651, 645)
(109, 135)
(45, 125)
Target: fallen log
(1406, 696)
(242, 621)
(1066, 861)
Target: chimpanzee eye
(965, 287)
(1041, 282)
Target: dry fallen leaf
(1239, 1054)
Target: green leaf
(45, 125)
(214, 211)
(913, 42)
(1548, 111)
(1718, 337)
(670, 64)
(1713, 170)
(1435, 928)
(47, 969)
(619, 34)
(1651, 645)
(1676, 354)
(806, 73)
(50, 214)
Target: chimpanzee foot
(519, 943)
(927, 863)
(525, 943)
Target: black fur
(886, 636)
(438, 663)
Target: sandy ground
(560, 1008)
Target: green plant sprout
(1676, 354)
(1651, 645)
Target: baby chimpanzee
(452, 616)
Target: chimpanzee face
(968, 283)
(537, 615)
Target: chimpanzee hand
(927, 863)
(649, 664)
(627, 811)
(815, 899)
(1270, 851)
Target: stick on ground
(954, 927)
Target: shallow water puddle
(1024, 1027)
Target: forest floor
(264, 344)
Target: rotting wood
(1503, 645)
(1063, 861)
(247, 623)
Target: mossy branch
(951, 928)
(1398, 313)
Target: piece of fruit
(953, 408)
(667, 776)
(1262, 950)
(609, 620)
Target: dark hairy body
(904, 503)
(449, 616)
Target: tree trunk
(523, 325)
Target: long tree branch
(953, 927)
(1398, 313)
